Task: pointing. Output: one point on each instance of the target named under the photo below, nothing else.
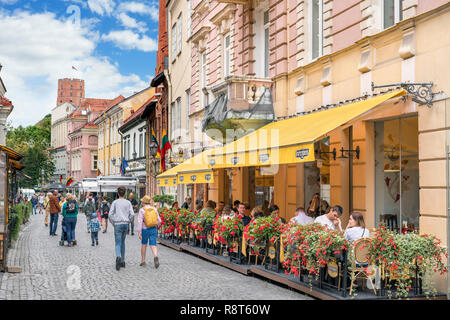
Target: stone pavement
(85, 272)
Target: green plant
(228, 228)
(168, 219)
(310, 247)
(164, 198)
(403, 255)
(18, 214)
(261, 230)
(203, 221)
(184, 219)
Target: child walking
(94, 227)
(148, 221)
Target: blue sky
(111, 43)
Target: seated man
(331, 219)
(243, 213)
(301, 217)
(275, 212)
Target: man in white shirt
(301, 217)
(331, 219)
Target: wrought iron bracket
(319, 153)
(421, 92)
(350, 152)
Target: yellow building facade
(109, 139)
(394, 165)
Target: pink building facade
(82, 148)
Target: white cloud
(38, 49)
(131, 23)
(127, 39)
(102, 7)
(140, 8)
(8, 1)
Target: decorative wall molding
(408, 46)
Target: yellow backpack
(150, 217)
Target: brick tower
(70, 90)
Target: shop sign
(175, 180)
(302, 153)
(235, 160)
(166, 181)
(264, 157)
(194, 177)
(181, 178)
(208, 177)
(212, 162)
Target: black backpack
(71, 206)
(105, 207)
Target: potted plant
(259, 231)
(403, 256)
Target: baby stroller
(63, 233)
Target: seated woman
(227, 212)
(257, 212)
(356, 227)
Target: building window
(316, 29)
(189, 23)
(125, 155)
(94, 162)
(128, 148)
(134, 144)
(174, 42)
(188, 107)
(392, 12)
(172, 119)
(140, 145)
(266, 43)
(226, 55)
(203, 76)
(180, 32)
(178, 117)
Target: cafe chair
(360, 263)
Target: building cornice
(368, 40)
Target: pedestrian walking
(89, 208)
(34, 203)
(135, 204)
(41, 202)
(47, 208)
(55, 209)
(148, 222)
(69, 213)
(94, 226)
(104, 211)
(120, 216)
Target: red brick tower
(70, 90)
(162, 53)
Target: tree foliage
(32, 142)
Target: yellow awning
(291, 140)
(193, 170)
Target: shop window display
(397, 174)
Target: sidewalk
(50, 271)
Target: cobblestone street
(51, 271)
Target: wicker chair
(360, 262)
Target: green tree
(32, 142)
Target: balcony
(239, 103)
